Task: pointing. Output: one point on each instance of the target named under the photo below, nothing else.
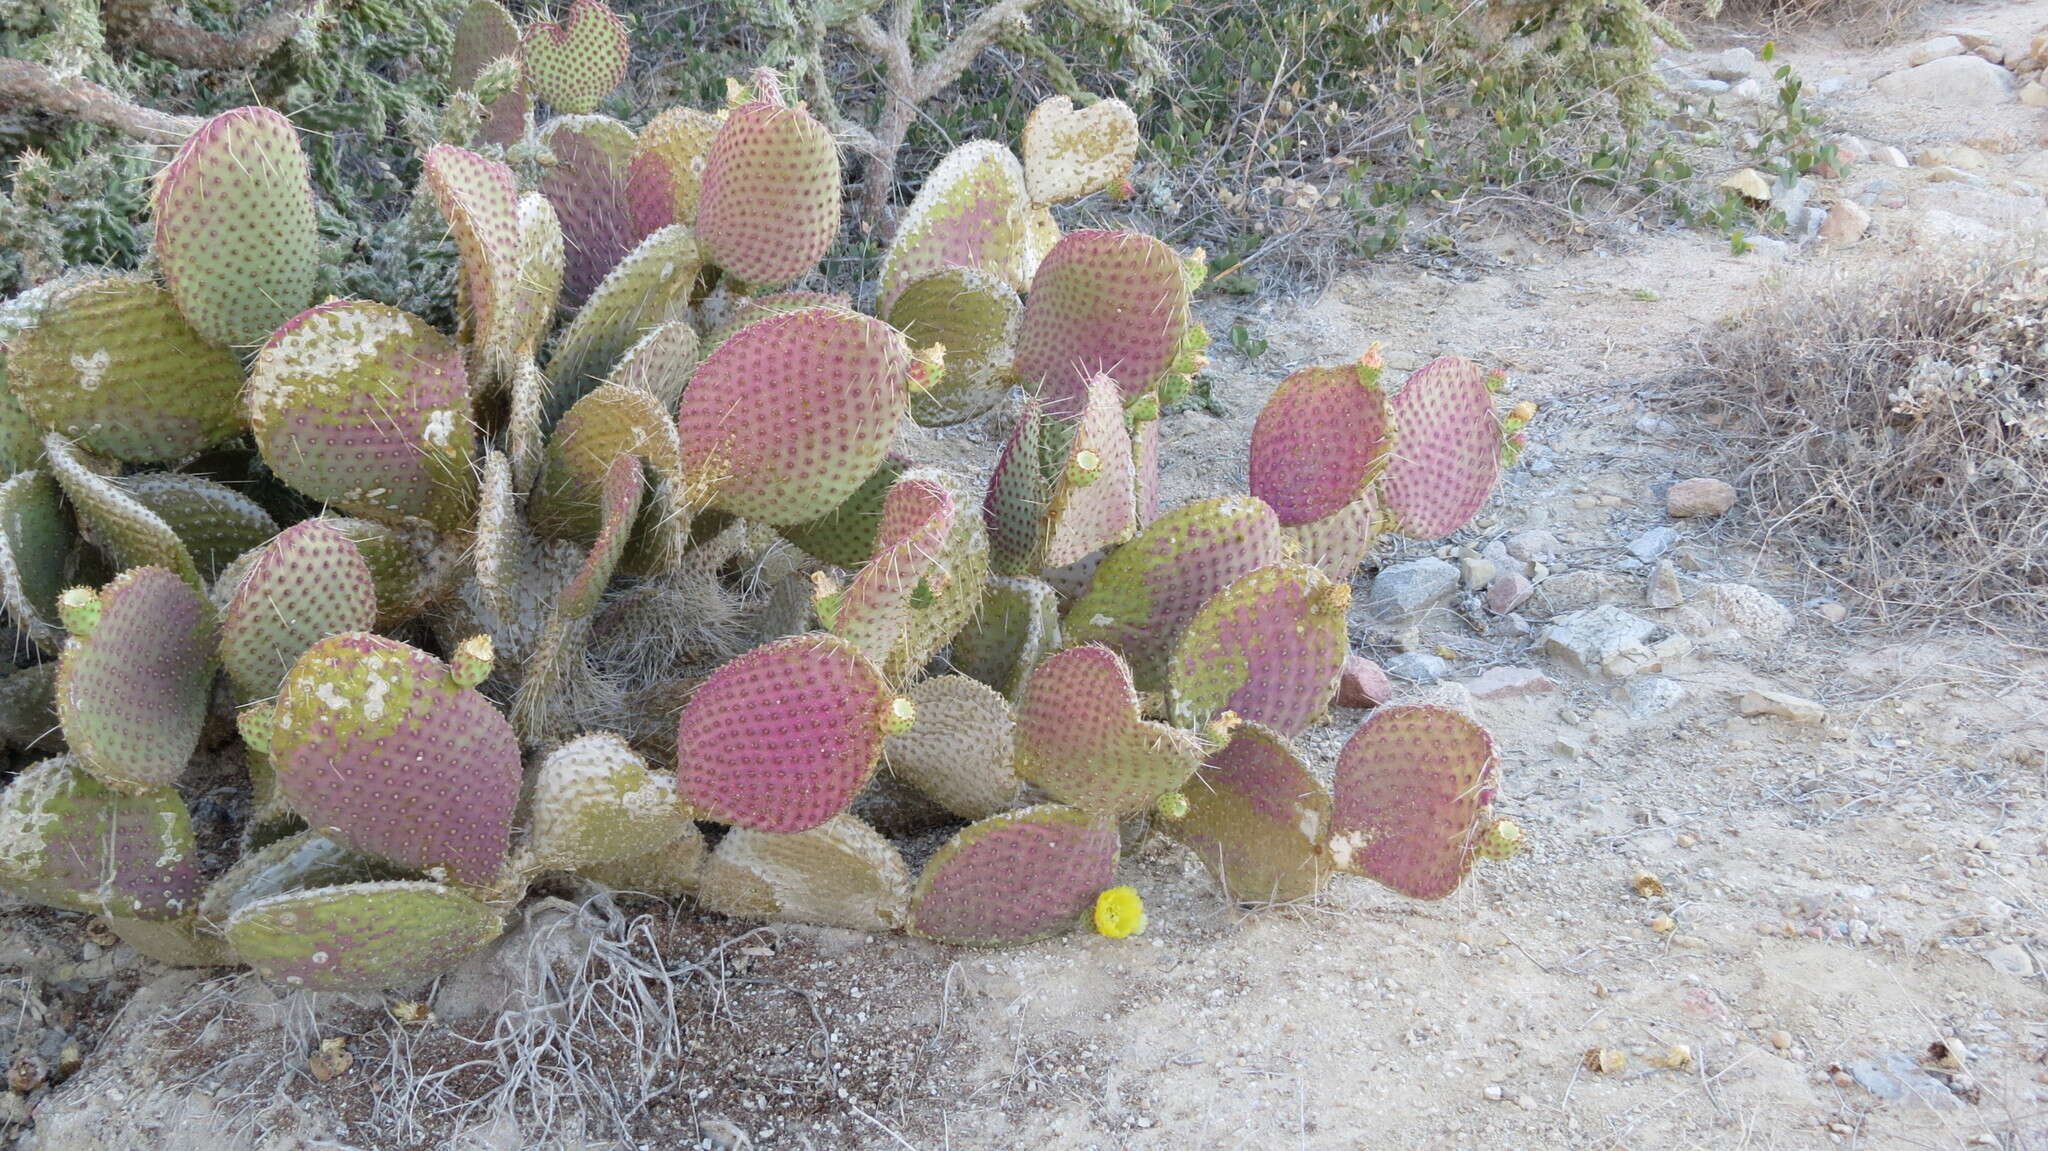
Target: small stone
(1674, 1057)
(1892, 157)
(1782, 705)
(1750, 90)
(1732, 64)
(1363, 683)
(1953, 156)
(1477, 574)
(1508, 592)
(1526, 1102)
(1973, 38)
(1418, 667)
(1568, 744)
(1534, 546)
(1949, 1052)
(1509, 682)
(1612, 642)
(1663, 924)
(1833, 612)
(2011, 959)
(1949, 174)
(1493, 1092)
(1782, 1040)
(1951, 82)
(2034, 95)
(27, 1073)
(1606, 1061)
(1989, 52)
(1665, 591)
(1749, 184)
(1846, 222)
(1686, 840)
(1699, 496)
(1646, 885)
(1406, 591)
(1754, 614)
(1653, 695)
(1653, 543)
(1936, 49)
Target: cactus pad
(557, 686)
(1448, 456)
(594, 801)
(960, 750)
(1149, 588)
(1268, 647)
(841, 873)
(1070, 152)
(845, 536)
(1340, 541)
(1094, 502)
(69, 841)
(669, 871)
(1323, 437)
(969, 215)
(795, 412)
(1410, 789)
(769, 207)
(783, 737)
(1082, 739)
(486, 34)
(307, 584)
(608, 423)
(113, 518)
(362, 936)
(661, 363)
(587, 186)
(396, 557)
(1014, 878)
(649, 287)
(113, 364)
(1256, 819)
(1017, 625)
(236, 233)
(215, 522)
(36, 539)
(576, 63)
(874, 612)
(132, 689)
(377, 746)
(1019, 494)
(480, 200)
(973, 315)
(520, 324)
(297, 862)
(366, 408)
(666, 173)
(1102, 302)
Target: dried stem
(144, 25)
(28, 87)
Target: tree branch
(145, 26)
(985, 29)
(27, 87)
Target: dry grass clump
(1893, 428)
(1857, 21)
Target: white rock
(1782, 705)
(1733, 64)
(1651, 695)
(1892, 156)
(1846, 223)
(2034, 95)
(1951, 82)
(2011, 959)
(1611, 642)
(1753, 614)
(1936, 49)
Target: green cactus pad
(1019, 494)
(650, 287)
(396, 557)
(845, 536)
(1268, 647)
(21, 438)
(960, 751)
(1102, 302)
(112, 364)
(480, 200)
(841, 873)
(1015, 878)
(666, 174)
(1083, 740)
(1256, 819)
(378, 747)
(113, 518)
(366, 408)
(236, 232)
(1070, 152)
(485, 34)
(969, 215)
(1323, 437)
(1340, 541)
(215, 522)
(902, 606)
(768, 210)
(305, 585)
(1094, 497)
(587, 186)
(608, 423)
(67, 840)
(1017, 624)
(973, 315)
(661, 363)
(172, 942)
(520, 325)
(741, 311)
(782, 738)
(1147, 590)
(667, 872)
(36, 540)
(557, 688)
(1449, 450)
(301, 861)
(795, 412)
(1412, 786)
(595, 801)
(576, 63)
(132, 693)
(361, 937)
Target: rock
(2034, 95)
(512, 974)
(1845, 223)
(1936, 49)
(1833, 612)
(1898, 1077)
(1782, 705)
(1749, 91)
(1611, 642)
(1653, 543)
(1406, 591)
(1652, 695)
(1701, 86)
(1850, 150)
(1790, 197)
(1750, 184)
(1477, 574)
(1947, 174)
(1665, 591)
(2011, 959)
(1752, 614)
(1363, 683)
(1989, 52)
(1892, 156)
(1733, 64)
(1534, 547)
(1497, 551)
(1509, 682)
(1571, 591)
(1951, 82)
(1972, 38)
(1508, 592)
(1418, 667)
(1953, 156)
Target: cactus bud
(254, 723)
(1501, 839)
(900, 717)
(473, 660)
(1143, 409)
(927, 368)
(1522, 413)
(1194, 268)
(1119, 913)
(1496, 381)
(1215, 735)
(1172, 806)
(79, 608)
(826, 596)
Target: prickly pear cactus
(133, 683)
(769, 206)
(1016, 877)
(1411, 788)
(575, 64)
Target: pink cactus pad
(377, 746)
(667, 170)
(484, 34)
(783, 738)
(1256, 819)
(1017, 499)
(1268, 647)
(1082, 739)
(1014, 878)
(969, 214)
(1095, 502)
(769, 208)
(1410, 787)
(587, 186)
(308, 583)
(1111, 302)
(1145, 447)
(1322, 438)
(576, 63)
(1448, 454)
(132, 691)
(480, 200)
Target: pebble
(1735, 64)
(1653, 543)
(1782, 705)
(1847, 222)
(1665, 591)
(1477, 574)
(1833, 612)
(1363, 683)
(1950, 82)
(1782, 1040)
(1652, 695)
(1609, 641)
(1508, 592)
(2034, 95)
(2011, 959)
(1699, 496)
(1509, 682)
(1534, 546)
(1407, 590)
(1418, 667)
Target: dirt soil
(1845, 935)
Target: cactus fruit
(1070, 152)
(595, 801)
(969, 216)
(360, 936)
(1410, 787)
(1269, 647)
(303, 586)
(960, 751)
(841, 873)
(236, 228)
(666, 173)
(1082, 739)
(1257, 819)
(587, 186)
(69, 840)
(1323, 437)
(576, 63)
(769, 206)
(134, 681)
(35, 546)
(1013, 878)
(1102, 302)
(1450, 450)
(1017, 625)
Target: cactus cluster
(625, 578)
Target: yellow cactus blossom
(1119, 913)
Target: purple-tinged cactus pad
(36, 540)
(1082, 739)
(1147, 590)
(1018, 498)
(1070, 152)
(841, 873)
(846, 535)
(521, 323)
(398, 561)
(795, 412)
(650, 287)
(1324, 435)
(366, 408)
(236, 232)
(738, 312)
(132, 694)
(1340, 541)
(485, 34)
(1256, 819)
(1102, 302)
(974, 316)
(782, 738)
(1268, 647)
(1145, 449)
(305, 585)
(361, 937)
(576, 63)
(113, 364)
(951, 591)
(661, 363)
(215, 522)
(587, 186)
(377, 747)
(769, 207)
(1017, 625)
(1015, 878)
(1448, 454)
(300, 861)
(1410, 789)
(969, 215)
(666, 173)
(480, 200)
(595, 801)
(67, 840)
(1095, 499)
(874, 611)
(960, 752)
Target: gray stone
(1534, 546)
(1782, 705)
(1845, 224)
(1973, 38)
(1733, 64)
(2011, 959)
(1571, 591)
(1418, 667)
(1653, 543)
(1477, 574)
(1896, 1077)
(1936, 49)
(1749, 91)
(1497, 551)
(1701, 86)
(1750, 613)
(1665, 591)
(1951, 82)
(1407, 590)
(1652, 695)
(1611, 642)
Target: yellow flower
(1120, 913)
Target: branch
(27, 87)
(144, 25)
(985, 29)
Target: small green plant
(1248, 344)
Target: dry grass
(1856, 21)
(1892, 428)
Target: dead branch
(29, 87)
(145, 26)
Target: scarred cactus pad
(1268, 647)
(360, 936)
(1410, 787)
(841, 873)
(595, 801)
(960, 750)
(69, 841)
